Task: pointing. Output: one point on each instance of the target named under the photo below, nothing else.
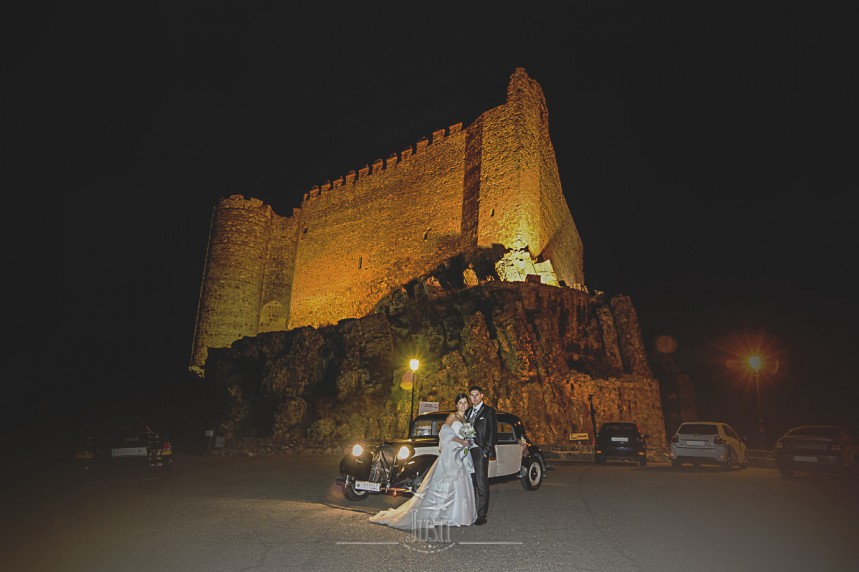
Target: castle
(356, 239)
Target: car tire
(532, 477)
(785, 471)
(729, 462)
(353, 495)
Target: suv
(620, 439)
(710, 442)
(398, 466)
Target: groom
(482, 418)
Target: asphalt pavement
(286, 513)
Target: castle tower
(229, 306)
(521, 200)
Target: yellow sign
(579, 437)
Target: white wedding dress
(446, 495)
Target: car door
(508, 452)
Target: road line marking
(367, 543)
(496, 542)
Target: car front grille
(383, 462)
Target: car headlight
(357, 450)
(403, 453)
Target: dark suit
(486, 427)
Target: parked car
(398, 466)
(621, 440)
(709, 442)
(117, 447)
(818, 448)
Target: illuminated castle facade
(356, 239)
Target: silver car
(710, 442)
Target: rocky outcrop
(544, 353)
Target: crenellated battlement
(360, 236)
(379, 166)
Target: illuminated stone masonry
(357, 239)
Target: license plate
(128, 452)
(621, 439)
(367, 486)
(805, 459)
(695, 443)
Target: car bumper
(125, 469)
(715, 454)
(383, 490)
(621, 453)
(811, 462)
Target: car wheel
(729, 462)
(354, 495)
(785, 471)
(675, 463)
(533, 477)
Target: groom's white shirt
(474, 410)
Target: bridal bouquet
(467, 432)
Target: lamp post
(755, 363)
(413, 364)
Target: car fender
(417, 465)
(526, 460)
(358, 467)
(534, 452)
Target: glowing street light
(755, 362)
(413, 364)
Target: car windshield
(117, 424)
(427, 426)
(619, 428)
(698, 429)
(828, 432)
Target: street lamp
(756, 363)
(413, 364)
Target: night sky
(707, 153)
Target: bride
(446, 495)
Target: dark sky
(707, 153)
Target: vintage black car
(398, 466)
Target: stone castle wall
(360, 241)
(359, 238)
